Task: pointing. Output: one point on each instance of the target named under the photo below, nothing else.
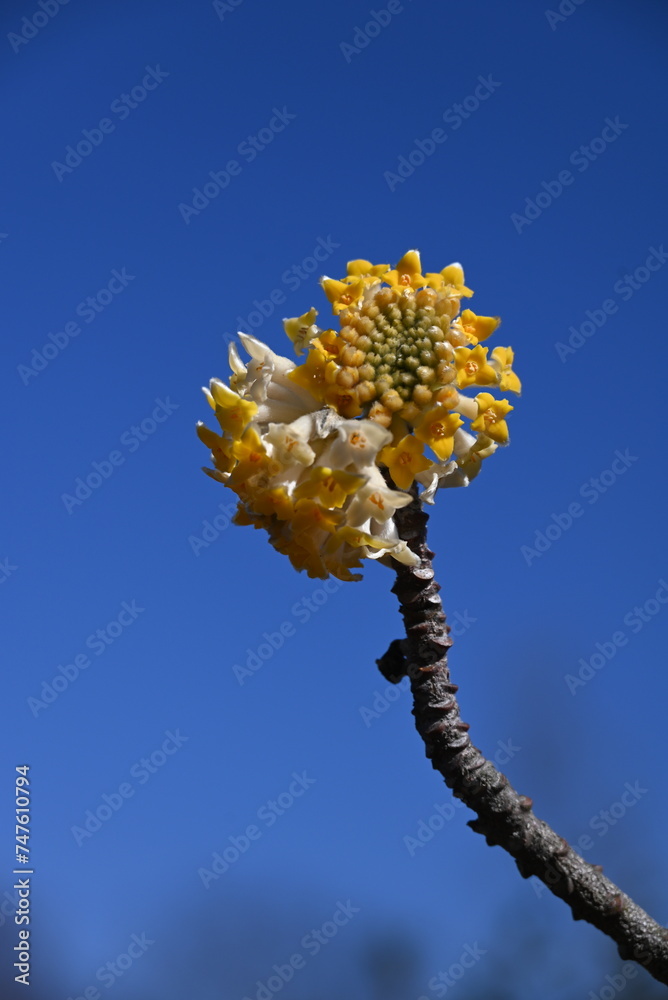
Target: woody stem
(504, 817)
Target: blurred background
(211, 804)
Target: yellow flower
(232, 412)
(331, 487)
(437, 428)
(407, 274)
(340, 563)
(251, 457)
(221, 447)
(344, 401)
(310, 518)
(329, 343)
(245, 518)
(453, 274)
(342, 293)
(404, 460)
(451, 277)
(275, 501)
(301, 329)
(310, 374)
(356, 538)
(490, 419)
(302, 557)
(478, 327)
(504, 357)
(364, 268)
(472, 367)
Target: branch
(504, 817)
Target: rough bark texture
(503, 816)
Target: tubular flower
(472, 367)
(404, 460)
(490, 419)
(502, 360)
(321, 451)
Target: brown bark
(504, 817)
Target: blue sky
(526, 143)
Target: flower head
(322, 451)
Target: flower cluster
(320, 452)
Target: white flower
(291, 441)
(466, 406)
(440, 475)
(404, 555)
(279, 399)
(463, 442)
(239, 369)
(375, 501)
(394, 546)
(358, 442)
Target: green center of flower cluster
(404, 349)
(400, 347)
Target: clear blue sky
(308, 115)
